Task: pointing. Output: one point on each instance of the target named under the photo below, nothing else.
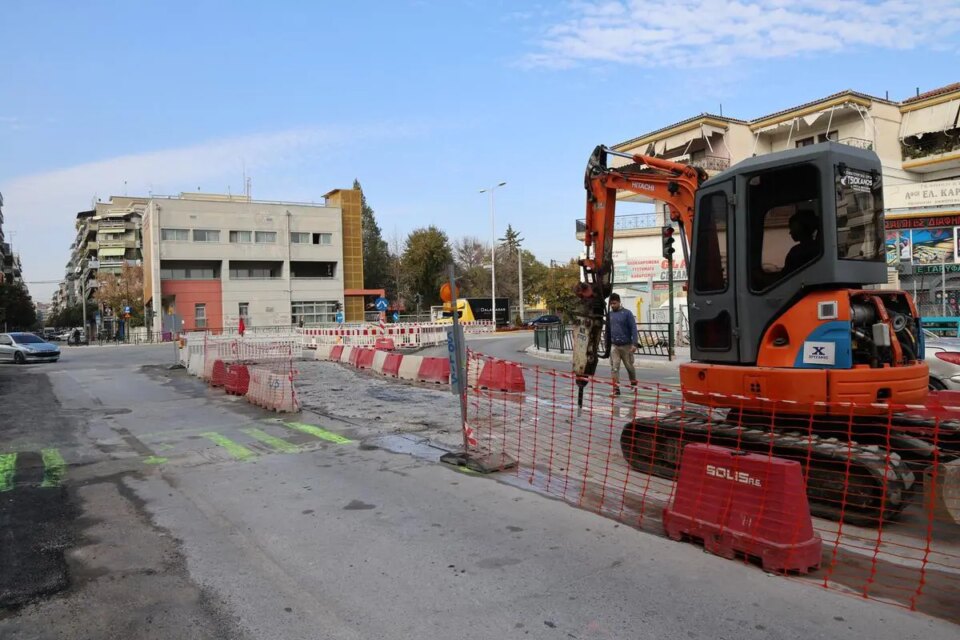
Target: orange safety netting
(881, 481)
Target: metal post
(493, 267)
(520, 271)
(671, 339)
(943, 285)
(83, 306)
(457, 374)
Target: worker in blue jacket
(621, 341)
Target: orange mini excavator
(780, 248)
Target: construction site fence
(403, 335)
(260, 368)
(881, 481)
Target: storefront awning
(939, 117)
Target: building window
(312, 313)
(206, 235)
(242, 237)
(251, 270)
(313, 269)
(266, 236)
(200, 315)
(298, 237)
(185, 270)
(243, 308)
(323, 238)
(832, 136)
(177, 235)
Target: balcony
(648, 220)
(935, 151)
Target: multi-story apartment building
(211, 259)
(917, 141)
(107, 237)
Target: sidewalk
(639, 360)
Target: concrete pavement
(182, 520)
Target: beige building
(211, 259)
(917, 140)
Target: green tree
(558, 289)
(117, 291)
(425, 259)
(72, 315)
(472, 258)
(376, 253)
(16, 307)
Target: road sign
(340, 317)
(382, 304)
(126, 309)
(396, 316)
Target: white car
(22, 348)
(942, 356)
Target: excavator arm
(670, 182)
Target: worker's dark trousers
(618, 354)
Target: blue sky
(425, 102)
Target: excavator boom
(661, 180)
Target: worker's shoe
(615, 392)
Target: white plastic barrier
(345, 355)
(272, 390)
(404, 335)
(323, 352)
(410, 367)
(378, 359)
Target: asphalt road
(179, 512)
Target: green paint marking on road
(8, 466)
(155, 460)
(54, 468)
(236, 450)
(317, 432)
(280, 445)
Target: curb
(639, 361)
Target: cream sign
(926, 194)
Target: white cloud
(41, 208)
(698, 33)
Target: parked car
(542, 320)
(943, 359)
(26, 347)
(67, 336)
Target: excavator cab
(782, 248)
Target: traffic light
(666, 235)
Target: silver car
(942, 356)
(26, 347)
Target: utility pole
(493, 256)
(520, 271)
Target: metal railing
(711, 163)
(859, 143)
(653, 338)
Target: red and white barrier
(272, 390)
(436, 370)
(409, 367)
(345, 354)
(378, 359)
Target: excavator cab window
(711, 271)
(860, 234)
(785, 224)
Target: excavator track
(880, 492)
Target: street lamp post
(493, 255)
